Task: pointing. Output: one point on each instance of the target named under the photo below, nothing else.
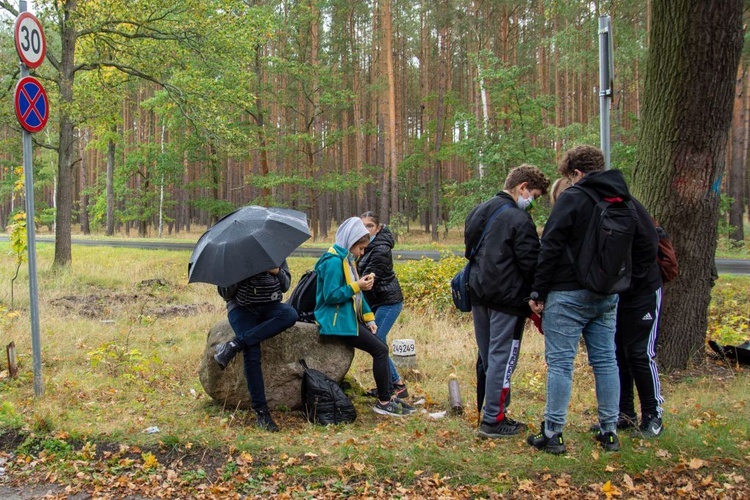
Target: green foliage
(728, 312)
(426, 284)
(725, 229)
(118, 361)
(9, 416)
(51, 447)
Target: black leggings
(371, 344)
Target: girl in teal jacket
(342, 311)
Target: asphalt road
(724, 266)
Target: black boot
(265, 421)
(225, 352)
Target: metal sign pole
(606, 72)
(36, 343)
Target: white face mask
(525, 203)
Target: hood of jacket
(609, 184)
(349, 232)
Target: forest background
(167, 115)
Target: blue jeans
(385, 318)
(252, 325)
(567, 315)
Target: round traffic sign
(32, 105)
(30, 43)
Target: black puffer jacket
(502, 269)
(378, 259)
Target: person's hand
(373, 328)
(366, 282)
(535, 306)
(274, 271)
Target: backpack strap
(497, 212)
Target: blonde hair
(557, 189)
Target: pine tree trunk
(690, 78)
(110, 185)
(738, 160)
(83, 211)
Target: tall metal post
(28, 173)
(606, 76)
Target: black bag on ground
(604, 263)
(302, 298)
(324, 400)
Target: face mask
(525, 203)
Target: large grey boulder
(282, 373)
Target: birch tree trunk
(688, 94)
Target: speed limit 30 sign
(30, 43)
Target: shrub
(426, 284)
(728, 314)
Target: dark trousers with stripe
(635, 340)
(498, 337)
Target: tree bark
(110, 184)
(738, 160)
(392, 150)
(65, 162)
(83, 211)
(689, 89)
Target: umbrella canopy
(246, 242)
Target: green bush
(728, 314)
(426, 284)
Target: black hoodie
(566, 228)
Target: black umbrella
(246, 242)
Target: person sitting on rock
(342, 311)
(257, 313)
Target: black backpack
(302, 298)
(604, 263)
(228, 292)
(324, 400)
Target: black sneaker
(608, 440)
(554, 444)
(623, 423)
(504, 428)
(265, 421)
(400, 390)
(392, 408)
(408, 409)
(225, 352)
(651, 426)
(373, 393)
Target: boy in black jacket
(570, 309)
(500, 281)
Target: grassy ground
(122, 336)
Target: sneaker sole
(383, 412)
(557, 449)
(554, 450)
(488, 435)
